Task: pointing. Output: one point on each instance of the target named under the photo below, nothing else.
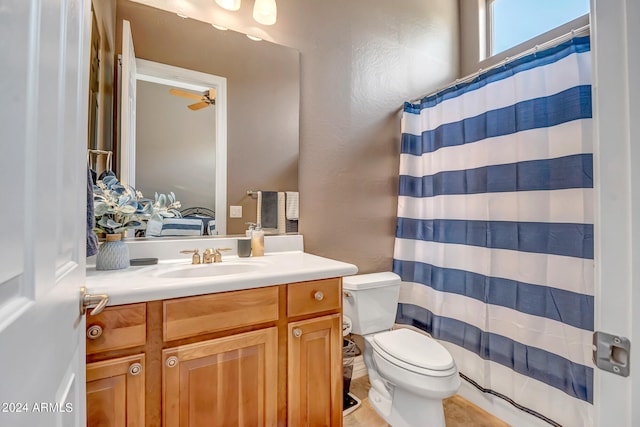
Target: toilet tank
(371, 301)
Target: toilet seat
(414, 351)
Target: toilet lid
(415, 349)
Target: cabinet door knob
(94, 332)
(318, 295)
(171, 362)
(297, 332)
(135, 368)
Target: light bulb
(229, 4)
(265, 11)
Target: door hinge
(611, 353)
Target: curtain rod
(508, 59)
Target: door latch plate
(611, 353)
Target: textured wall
(360, 60)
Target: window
(511, 22)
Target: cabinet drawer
(314, 297)
(191, 316)
(117, 327)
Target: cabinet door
(115, 392)
(229, 381)
(315, 372)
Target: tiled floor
(457, 411)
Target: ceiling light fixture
(265, 11)
(229, 4)
(219, 27)
(254, 38)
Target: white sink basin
(209, 270)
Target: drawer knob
(171, 362)
(318, 295)
(94, 332)
(297, 332)
(135, 368)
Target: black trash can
(349, 352)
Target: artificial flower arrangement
(119, 207)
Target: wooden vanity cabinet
(267, 356)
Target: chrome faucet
(213, 255)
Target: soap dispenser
(257, 241)
(251, 227)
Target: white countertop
(139, 284)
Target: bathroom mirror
(263, 94)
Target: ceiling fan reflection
(204, 99)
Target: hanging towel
(282, 218)
(291, 226)
(268, 209)
(92, 239)
(292, 205)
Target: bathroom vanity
(258, 347)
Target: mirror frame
(188, 79)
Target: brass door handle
(100, 301)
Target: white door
(616, 83)
(44, 51)
(128, 109)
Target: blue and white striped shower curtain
(494, 241)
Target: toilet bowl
(410, 372)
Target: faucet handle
(217, 256)
(195, 259)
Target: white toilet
(410, 373)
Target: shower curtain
(494, 239)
